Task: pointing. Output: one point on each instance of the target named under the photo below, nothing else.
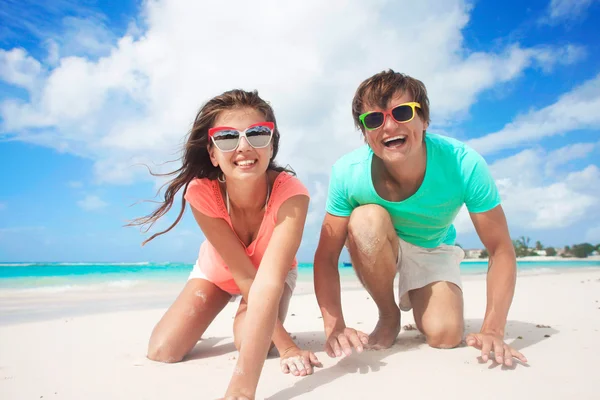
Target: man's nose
(390, 122)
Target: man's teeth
(401, 137)
(246, 162)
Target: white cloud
(136, 102)
(565, 10)
(19, 69)
(536, 195)
(81, 36)
(534, 200)
(317, 204)
(573, 111)
(92, 203)
(568, 153)
(463, 223)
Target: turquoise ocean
(68, 276)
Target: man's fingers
(518, 355)
(507, 356)
(344, 344)
(473, 341)
(499, 351)
(355, 340)
(335, 346)
(486, 346)
(329, 349)
(364, 338)
(284, 368)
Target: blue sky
(89, 89)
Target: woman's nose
(243, 145)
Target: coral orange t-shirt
(205, 196)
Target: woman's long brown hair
(196, 160)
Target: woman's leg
(185, 321)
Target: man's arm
(328, 291)
(492, 229)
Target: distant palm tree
(539, 246)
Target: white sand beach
(92, 346)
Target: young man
(392, 203)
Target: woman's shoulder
(286, 182)
(200, 183)
(203, 194)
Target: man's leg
(438, 312)
(373, 247)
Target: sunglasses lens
(402, 113)
(259, 136)
(373, 120)
(226, 140)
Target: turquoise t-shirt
(455, 175)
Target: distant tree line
(523, 249)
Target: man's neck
(409, 172)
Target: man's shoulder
(453, 148)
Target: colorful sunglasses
(228, 139)
(402, 113)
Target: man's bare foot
(385, 333)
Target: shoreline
(47, 303)
(541, 259)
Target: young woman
(252, 213)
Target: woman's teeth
(244, 163)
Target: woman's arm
(225, 241)
(265, 293)
(264, 286)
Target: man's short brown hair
(380, 88)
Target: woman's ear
(211, 154)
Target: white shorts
(419, 266)
(290, 279)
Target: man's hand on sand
(341, 341)
(487, 342)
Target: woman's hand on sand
(233, 394)
(341, 341)
(488, 342)
(299, 362)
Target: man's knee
(445, 336)
(369, 226)
(163, 352)
(368, 217)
